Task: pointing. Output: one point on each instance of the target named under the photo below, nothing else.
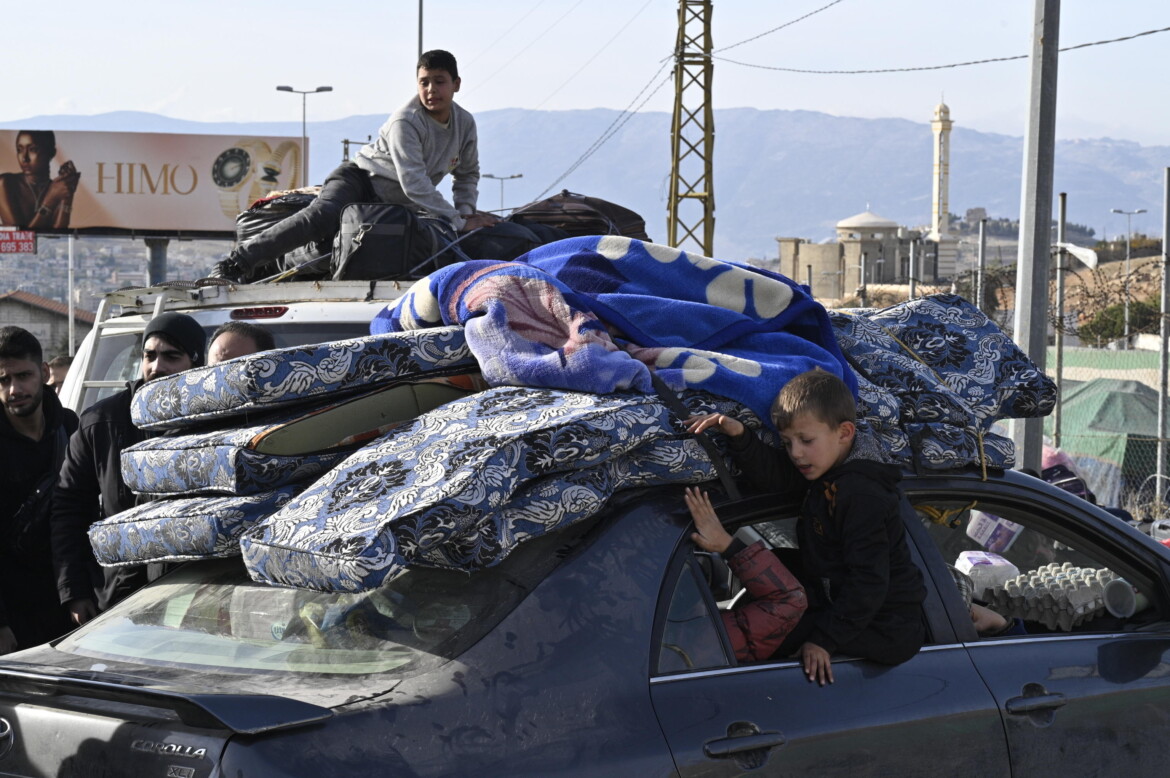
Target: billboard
(139, 181)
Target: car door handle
(730, 746)
(1022, 705)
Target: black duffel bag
(379, 241)
(578, 215)
(503, 241)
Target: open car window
(1028, 565)
(701, 586)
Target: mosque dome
(867, 221)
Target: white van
(296, 312)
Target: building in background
(866, 244)
(47, 319)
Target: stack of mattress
(337, 467)
(933, 375)
(463, 484)
(247, 435)
(410, 467)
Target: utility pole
(691, 207)
(1031, 320)
(1164, 330)
(981, 271)
(502, 179)
(1057, 415)
(1128, 235)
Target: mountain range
(777, 173)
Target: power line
(596, 54)
(531, 43)
(506, 32)
(781, 27)
(614, 126)
(933, 67)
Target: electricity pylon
(691, 210)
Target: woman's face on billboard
(33, 159)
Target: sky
(213, 60)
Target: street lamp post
(502, 179)
(1128, 233)
(304, 125)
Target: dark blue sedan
(599, 651)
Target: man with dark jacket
(34, 431)
(91, 486)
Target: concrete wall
(825, 258)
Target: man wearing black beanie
(91, 488)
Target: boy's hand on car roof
(725, 424)
(709, 534)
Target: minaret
(939, 216)
(946, 245)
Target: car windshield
(209, 615)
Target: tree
(1109, 324)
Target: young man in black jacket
(34, 431)
(865, 592)
(91, 486)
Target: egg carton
(1059, 596)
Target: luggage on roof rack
(269, 212)
(579, 215)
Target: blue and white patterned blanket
(597, 314)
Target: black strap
(678, 409)
(31, 517)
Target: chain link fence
(1107, 421)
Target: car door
(1084, 692)
(720, 718)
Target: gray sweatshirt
(413, 153)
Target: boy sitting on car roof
(416, 148)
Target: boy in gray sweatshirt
(416, 148)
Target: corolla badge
(168, 749)
(7, 737)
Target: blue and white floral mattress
(295, 448)
(275, 379)
(182, 529)
(467, 482)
